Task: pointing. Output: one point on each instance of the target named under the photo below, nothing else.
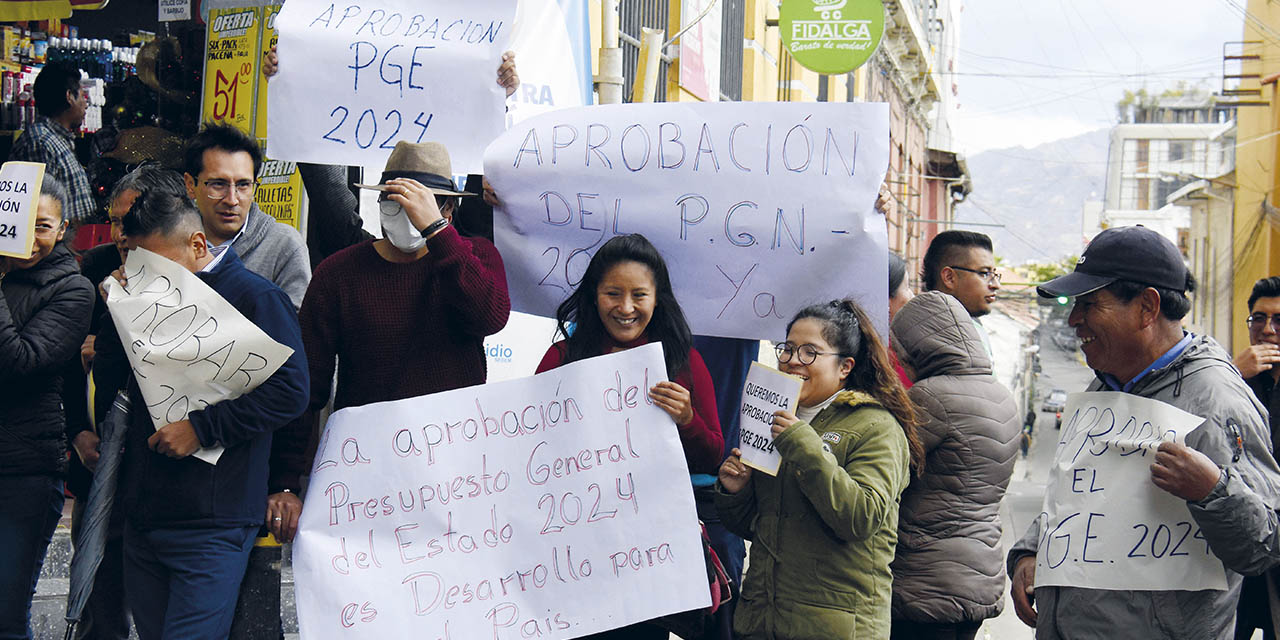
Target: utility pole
(609, 80)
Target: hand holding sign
(768, 398)
(734, 475)
(1184, 472)
(176, 440)
(188, 347)
(1108, 522)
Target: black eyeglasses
(990, 275)
(805, 353)
(1257, 321)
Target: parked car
(1056, 401)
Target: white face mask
(397, 229)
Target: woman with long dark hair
(824, 529)
(625, 300)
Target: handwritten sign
(552, 507)
(759, 209)
(767, 390)
(1105, 524)
(355, 78)
(19, 197)
(188, 347)
(231, 67)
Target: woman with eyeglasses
(823, 530)
(45, 306)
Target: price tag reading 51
(231, 67)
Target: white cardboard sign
(1105, 525)
(553, 506)
(759, 209)
(19, 196)
(188, 347)
(767, 390)
(356, 77)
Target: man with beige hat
(422, 294)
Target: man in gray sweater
(222, 164)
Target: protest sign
(1105, 525)
(188, 347)
(19, 197)
(767, 390)
(356, 78)
(553, 506)
(758, 209)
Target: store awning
(23, 10)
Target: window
(1179, 150)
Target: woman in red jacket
(625, 300)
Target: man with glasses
(221, 165)
(961, 264)
(1257, 365)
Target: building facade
(1164, 144)
(1256, 220)
(735, 52)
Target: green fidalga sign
(831, 36)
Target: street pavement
(1022, 503)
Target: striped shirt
(49, 142)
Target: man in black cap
(1130, 291)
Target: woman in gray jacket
(948, 573)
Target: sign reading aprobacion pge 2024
(831, 36)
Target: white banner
(766, 391)
(19, 198)
(554, 506)
(188, 347)
(759, 209)
(552, 57)
(356, 78)
(1105, 525)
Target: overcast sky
(1031, 71)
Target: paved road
(1022, 503)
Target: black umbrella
(91, 536)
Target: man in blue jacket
(190, 524)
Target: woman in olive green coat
(823, 530)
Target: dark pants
(32, 507)
(903, 630)
(182, 583)
(105, 616)
(1254, 611)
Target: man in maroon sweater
(405, 315)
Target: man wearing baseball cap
(1130, 291)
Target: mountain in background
(1038, 194)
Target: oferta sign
(831, 36)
